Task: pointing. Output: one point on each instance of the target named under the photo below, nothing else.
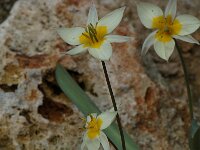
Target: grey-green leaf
(194, 136)
(86, 106)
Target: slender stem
(186, 79)
(112, 143)
(114, 105)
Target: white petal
(112, 19)
(113, 109)
(117, 38)
(93, 144)
(164, 49)
(84, 142)
(71, 35)
(93, 115)
(189, 24)
(147, 12)
(107, 118)
(76, 50)
(171, 8)
(92, 16)
(104, 141)
(102, 53)
(148, 42)
(187, 38)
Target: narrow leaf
(194, 136)
(86, 106)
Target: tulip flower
(167, 27)
(94, 37)
(94, 136)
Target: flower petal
(113, 109)
(117, 38)
(189, 24)
(104, 141)
(76, 50)
(89, 118)
(171, 8)
(71, 35)
(112, 20)
(107, 118)
(84, 141)
(93, 144)
(147, 12)
(187, 38)
(164, 49)
(92, 16)
(102, 53)
(148, 42)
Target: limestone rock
(35, 114)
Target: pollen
(167, 27)
(94, 127)
(94, 36)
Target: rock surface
(35, 114)
(5, 7)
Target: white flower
(94, 135)
(94, 37)
(167, 27)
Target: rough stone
(35, 114)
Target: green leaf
(86, 106)
(194, 136)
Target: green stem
(114, 105)
(189, 93)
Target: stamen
(91, 117)
(94, 31)
(95, 37)
(91, 35)
(83, 119)
(83, 128)
(86, 30)
(91, 30)
(85, 35)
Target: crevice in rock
(92, 91)
(50, 82)
(54, 111)
(5, 7)
(83, 83)
(50, 109)
(25, 113)
(76, 76)
(7, 88)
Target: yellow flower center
(167, 27)
(93, 36)
(93, 127)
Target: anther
(85, 35)
(92, 33)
